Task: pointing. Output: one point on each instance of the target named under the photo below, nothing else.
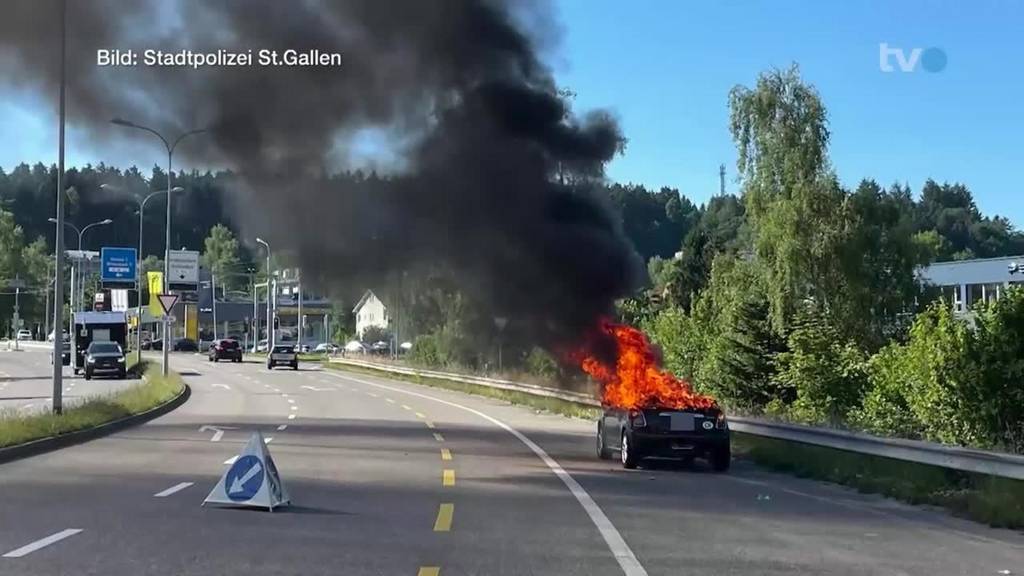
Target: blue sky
(665, 68)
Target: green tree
(220, 257)
(793, 202)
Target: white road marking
(284, 395)
(176, 488)
(231, 460)
(293, 407)
(30, 548)
(291, 416)
(372, 395)
(224, 386)
(282, 427)
(268, 439)
(291, 401)
(218, 432)
(619, 549)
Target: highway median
(25, 435)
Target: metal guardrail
(953, 457)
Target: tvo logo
(930, 59)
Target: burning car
(649, 412)
(664, 433)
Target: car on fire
(684, 434)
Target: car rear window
(228, 344)
(283, 349)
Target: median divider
(24, 436)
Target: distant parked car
(355, 346)
(185, 345)
(24, 335)
(226, 349)
(262, 346)
(325, 348)
(50, 337)
(157, 344)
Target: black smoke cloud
(487, 141)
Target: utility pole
(213, 297)
(721, 179)
(58, 264)
(298, 277)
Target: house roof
(365, 297)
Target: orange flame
(636, 380)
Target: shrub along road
(394, 478)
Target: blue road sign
(244, 479)
(117, 265)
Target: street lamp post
(170, 146)
(270, 324)
(76, 284)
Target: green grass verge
(554, 405)
(155, 390)
(995, 501)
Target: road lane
(26, 382)
(368, 486)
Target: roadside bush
(998, 355)
(825, 371)
(424, 352)
(540, 363)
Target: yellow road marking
(438, 437)
(448, 479)
(406, 407)
(430, 424)
(446, 454)
(429, 571)
(420, 415)
(444, 518)
(390, 401)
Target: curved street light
(170, 146)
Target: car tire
(216, 359)
(295, 366)
(627, 453)
(88, 374)
(122, 374)
(602, 451)
(720, 458)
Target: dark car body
(185, 345)
(227, 349)
(283, 354)
(664, 433)
(104, 358)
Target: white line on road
(284, 395)
(291, 401)
(619, 549)
(224, 386)
(293, 407)
(282, 427)
(291, 416)
(30, 548)
(176, 488)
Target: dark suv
(226, 349)
(104, 358)
(665, 433)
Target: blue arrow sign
(244, 479)
(117, 264)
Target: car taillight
(720, 422)
(636, 419)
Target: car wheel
(295, 366)
(720, 458)
(216, 359)
(602, 451)
(628, 453)
(122, 375)
(88, 374)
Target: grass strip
(544, 403)
(18, 428)
(996, 501)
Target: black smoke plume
(495, 175)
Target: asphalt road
(391, 478)
(26, 382)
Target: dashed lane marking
(443, 523)
(282, 427)
(421, 415)
(429, 424)
(42, 543)
(448, 477)
(429, 571)
(291, 416)
(173, 489)
(406, 407)
(621, 551)
(438, 437)
(389, 400)
(293, 407)
(446, 454)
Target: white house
(370, 311)
(966, 282)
